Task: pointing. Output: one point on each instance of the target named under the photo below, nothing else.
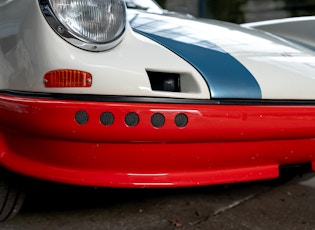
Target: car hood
(235, 62)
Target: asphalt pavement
(256, 205)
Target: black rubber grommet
(81, 117)
(107, 118)
(181, 120)
(157, 120)
(132, 119)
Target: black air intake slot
(169, 82)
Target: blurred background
(240, 11)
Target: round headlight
(89, 24)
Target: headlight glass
(98, 21)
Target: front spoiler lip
(40, 137)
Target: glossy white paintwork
(298, 28)
(31, 48)
(284, 70)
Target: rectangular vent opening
(161, 81)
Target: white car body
(30, 48)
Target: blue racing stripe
(225, 76)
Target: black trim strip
(159, 100)
(106, 98)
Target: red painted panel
(220, 143)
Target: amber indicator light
(67, 78)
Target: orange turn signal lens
(67, 78)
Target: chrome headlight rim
(74, 38)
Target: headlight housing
(94, 25)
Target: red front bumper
(89, 143)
